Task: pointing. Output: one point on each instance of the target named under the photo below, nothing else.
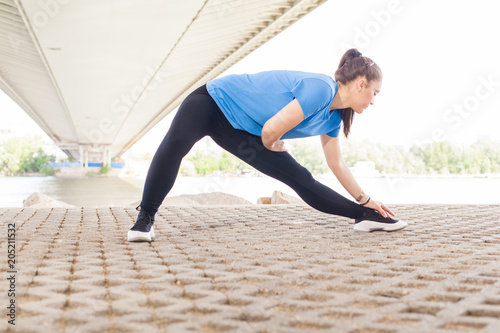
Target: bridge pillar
(95, 154)
(107, 155)
(84, 156)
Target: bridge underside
(96, 75)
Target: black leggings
(199, 116)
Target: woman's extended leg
(282, 166)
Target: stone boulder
(214, 198)
(280, 198)
(217, 198)
(40, 200)
(264, 201)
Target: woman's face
(365, 94)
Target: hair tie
(357, 54)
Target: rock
(214, 198)
(179, 200)
(40, 200)
(280, 198)
(264, 201)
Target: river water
(123, 191)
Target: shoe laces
(139, 209)
(144, 221)
(377, 217)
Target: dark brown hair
(353, 65)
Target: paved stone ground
(254, 269)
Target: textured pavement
(279, 268)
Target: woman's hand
(278, 146)
(380, 207)
(331, 147)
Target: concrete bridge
(97, 75)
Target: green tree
(432, 158)
(207, 163)
(204, 164)
(309, 156)
(20, 156)
(443, 157)
(231, 163)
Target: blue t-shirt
(249, 100)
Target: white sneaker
(141, 236)
(373, 221)
(143, 230)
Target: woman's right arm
(283, 121)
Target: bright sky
(440, 61)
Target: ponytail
(353, 65)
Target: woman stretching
(249, 115)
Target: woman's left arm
(333, 155)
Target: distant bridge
(97, 75)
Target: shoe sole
(369, 226)
(139, 236)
